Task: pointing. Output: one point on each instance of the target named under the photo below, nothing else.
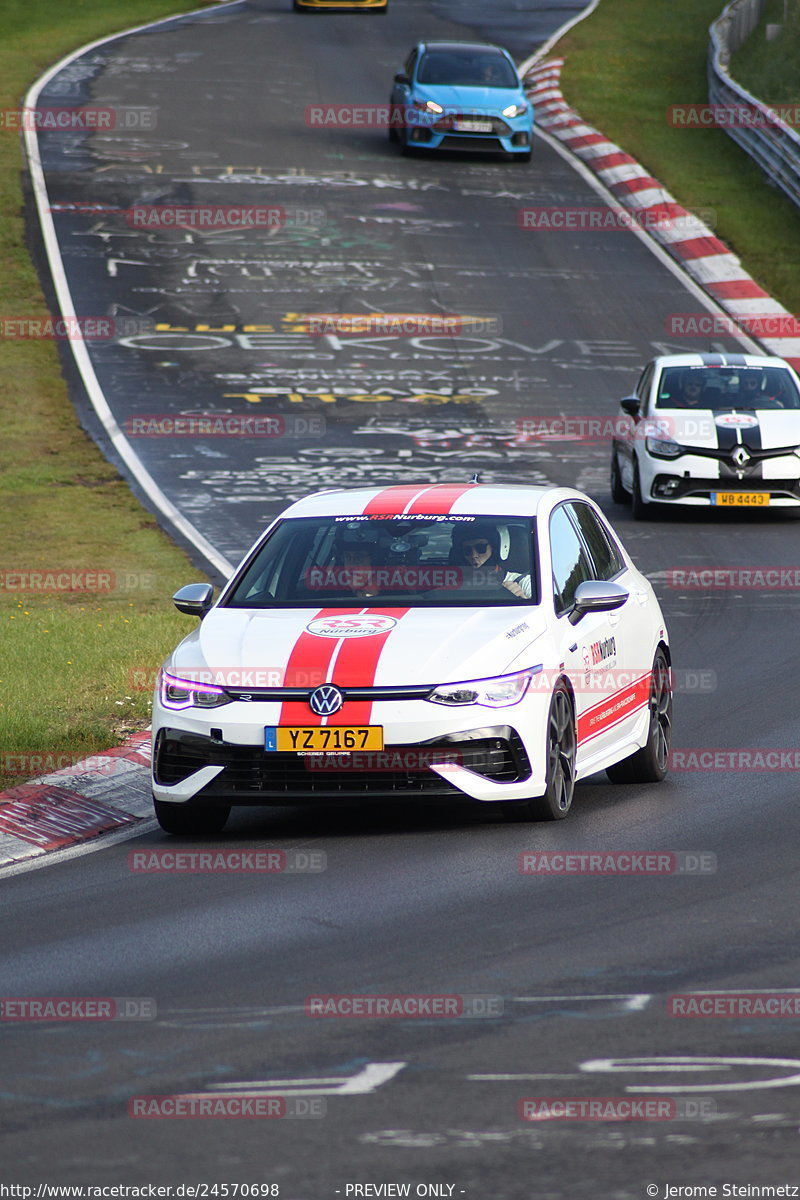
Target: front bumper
(511, 135)
(192, 766)
(690, 479)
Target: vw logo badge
(325, 700)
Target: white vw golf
(435, 641)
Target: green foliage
(626, 65)
(76, 666)
(771, 70)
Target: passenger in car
(478, 547)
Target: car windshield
(467, 68)
(434, 561)
(727, 387)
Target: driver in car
(478, 547)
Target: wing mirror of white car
(195, 599)
(631, 406)
(596, 596)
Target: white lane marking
(631, 1001)
(532, 1075)
(67, 306)
(545, 49)
(699, 1063)
(370, 1077)
(637, 230)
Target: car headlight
(428, 106)
(515, 110)
(663, 447)
(180, 693)
(499, 692)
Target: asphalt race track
(576, 970)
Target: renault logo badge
(325, 700)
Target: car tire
(651, 763)
(618, 493)
(186, 818)
(640, 508)
(562, 746)
(523, 158)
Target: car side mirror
(195, 599)
(631, 406)
(596, 596)
(401, 77)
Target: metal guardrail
(752, 124)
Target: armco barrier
(770, 142)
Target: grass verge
(771, 70)
(625, 65)
(76, 663)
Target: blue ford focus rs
(461, 96)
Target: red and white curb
(106, 792)
(707, 260)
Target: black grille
(757, 453)
(255, 776)
(470, 141)
(370, 694)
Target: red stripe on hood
(356, 666)
(308, 666)
(347, 662)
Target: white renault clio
(483, 641)
(709, 429)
